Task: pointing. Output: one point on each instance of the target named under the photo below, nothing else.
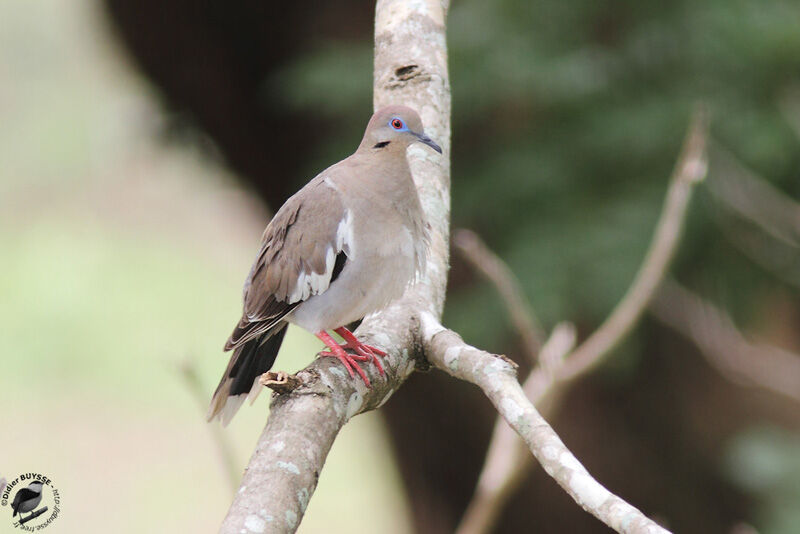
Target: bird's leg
(349, 361)
(367, 352)
(353, 342)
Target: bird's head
(396, 127)
(36, 485)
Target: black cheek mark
(381, 144)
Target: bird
(27, 499)
(344, 246)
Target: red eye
(397, 124)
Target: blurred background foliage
(125, 236)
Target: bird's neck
(393, 162)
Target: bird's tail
(249, 361)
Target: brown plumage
(342, 247)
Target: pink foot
(366, 352)
(363, 353)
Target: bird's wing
(303, 249)
(22, 495)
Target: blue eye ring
(397, 124)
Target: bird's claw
(361, 353)
(366, 352)
(350, 362)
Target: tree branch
(282, 474)
(724, 346)
(772, 255)
(691, 168)
(756, 217)
(507, 460)
(506, 463)
(486, 262)
(752, 197)
(497, 378)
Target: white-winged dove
(342, 247)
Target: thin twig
(558, 346)
(486, 262)
(752, 197)
(504, 468)
(690, 169)
(191, 378)
(446, 350)
(758, 219)
(772, 255)
(725, 348)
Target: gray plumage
(342, 247)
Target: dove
(344, 246)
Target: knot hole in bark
(402, 76)
(407, 72)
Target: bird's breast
(378, 272)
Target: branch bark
(507, 461)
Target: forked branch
(506, 466)
(497, 378)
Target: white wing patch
(344, 236)
(311, 283)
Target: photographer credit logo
(30, 502)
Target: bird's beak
(428, 141)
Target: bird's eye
(397, 124)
